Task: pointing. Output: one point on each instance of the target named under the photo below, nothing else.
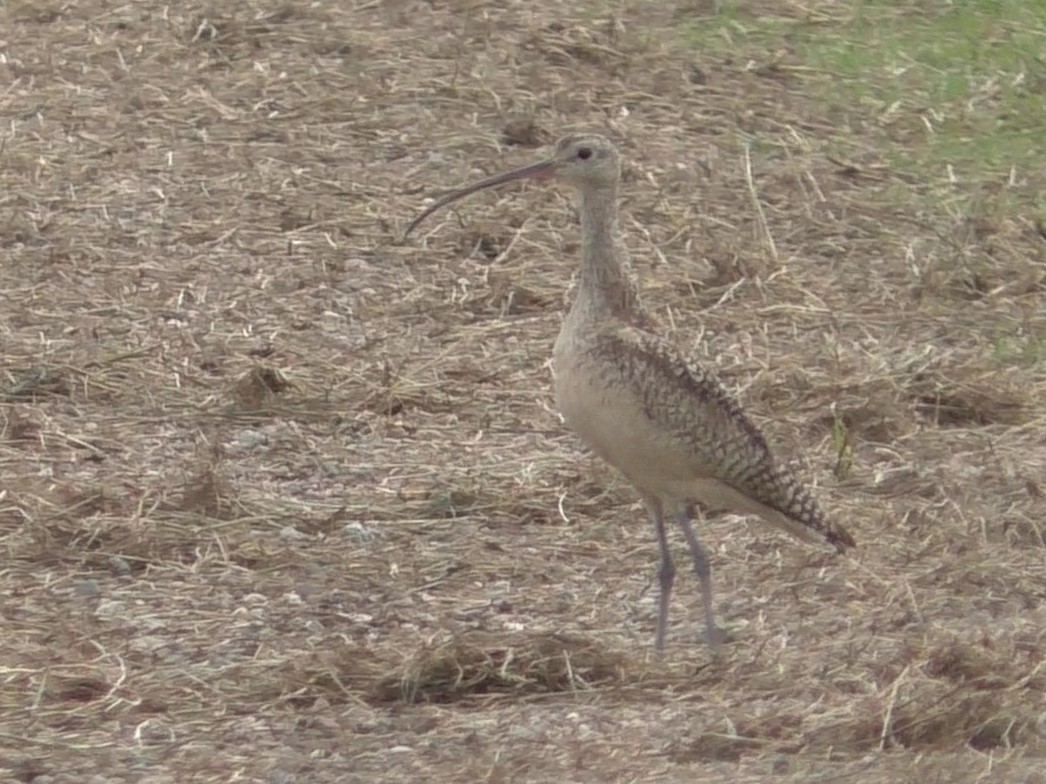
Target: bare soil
(285, 498)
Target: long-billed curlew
(668, 425)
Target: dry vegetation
(284, 499)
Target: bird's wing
(692, 407)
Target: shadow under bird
(667, 424)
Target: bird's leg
(666, 572)
(703, 567)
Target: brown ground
(284, 499)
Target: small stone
(119, 566)
(291, 533)
(781, 765)
(86, 589)
(107, 610)
(251, 439)
(357, 532)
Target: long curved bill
(535, 171)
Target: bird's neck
(607, 285)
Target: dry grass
(285, 499)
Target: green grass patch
(1026, 351)
(952, 92)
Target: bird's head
(587, 161)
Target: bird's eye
(584, 154)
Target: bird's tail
(799, 513)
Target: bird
(668, 424)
